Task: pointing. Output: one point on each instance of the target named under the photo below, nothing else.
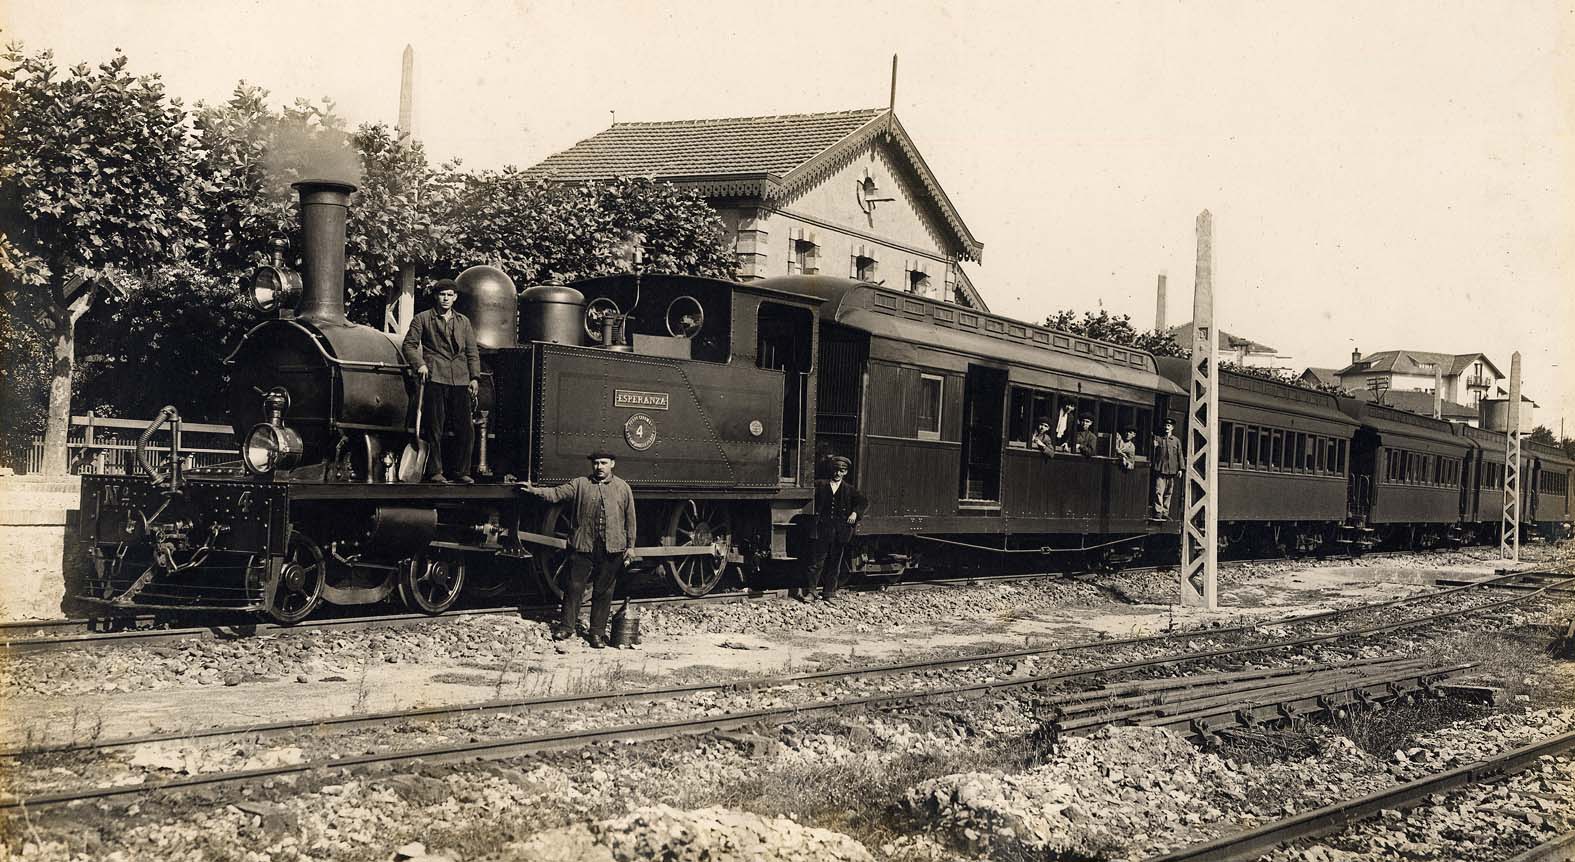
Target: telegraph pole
(1200, 526)
(400, 305)
(1509, 539)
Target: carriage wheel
(552, 565)
(432, 584)
(697, 523)
(299, 587)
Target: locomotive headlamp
(271, 447)
(273, 288)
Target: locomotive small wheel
(300, 586)
(691, 522)
(552, 566)
(432, 584)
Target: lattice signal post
(1509, 540)
(1200, 526)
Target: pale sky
(1382, 175)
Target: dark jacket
(832, 510)
(447, 349)
(612, 498)
(1086, 443)
(1168, 459)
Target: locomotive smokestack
(324, 205)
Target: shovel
(413, 461)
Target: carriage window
(1020, 423)
(1105, 426)
(930, 388)
(1252, 446)
(1227, 434)
(1238, 445)
(1145, 431)
(1277, 453)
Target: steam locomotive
(721, 399)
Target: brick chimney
(1356, 356)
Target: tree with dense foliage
(539, 232)
(1105, 326)
(96, 190)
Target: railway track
(22, 638)
(1252, 843)
(1422, 674)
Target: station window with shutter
(804, 258)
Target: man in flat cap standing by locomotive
(602, 543)
(838, 507)
(441, 347)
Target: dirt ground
(756, 638)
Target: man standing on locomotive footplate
(441, 347)
(838, 506)
(602, 543)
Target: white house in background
(1467, 377)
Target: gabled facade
(1233, 348)
(844, 193)
(1467, 377)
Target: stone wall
(38, 550)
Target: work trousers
(448, 407)
(582, 566)
(825, 562)
(1163, 487)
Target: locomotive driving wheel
(299, 587)
(552, 565)
(431, 583)
(698, 523)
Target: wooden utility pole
(1159, 305)
(400, 306)
(1438, 391)
(1200, 525)
(1509, 538)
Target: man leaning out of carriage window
(1126, 448)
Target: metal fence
(98, 444)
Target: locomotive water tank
(554, 314)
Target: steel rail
(814, 676)
(508, 747)
(817, 676)
(1560, 849)
(1253, 843)
(253, 627)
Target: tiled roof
(1418, 402)
(769, 158)
(1323, 376)
(1183, 336)
(703, 148)
(1416, 362)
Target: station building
(844, 193)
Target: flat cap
(602, 453)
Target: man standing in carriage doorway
(441, 347)
(838, 507)
(602, 544)
(1167, 460)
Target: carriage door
(839, 391)
(784, 337)
(1364, 474)
(984, 406)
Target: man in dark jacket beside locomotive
(441, 347)
(1167, 460)
(602, 543)
(838, 507)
